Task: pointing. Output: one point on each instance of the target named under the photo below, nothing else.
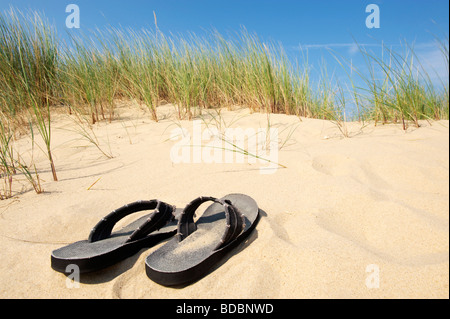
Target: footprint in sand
(390, 230)
(337, 165)
(334, 165)
(277, 226)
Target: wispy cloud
(352, 47)
(434, 64)
(335, 45)
(428, 51)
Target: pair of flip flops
(195, 248)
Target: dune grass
(195, 72)
(406, 92)
(90, 72)
(93, 70)
(28, 63)
(398, 88)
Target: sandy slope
(378, 198)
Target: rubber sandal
(199, 246)
(104, 248)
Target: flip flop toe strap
(234, 218)
(163, 213)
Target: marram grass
(193, 72)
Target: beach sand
(359, 217)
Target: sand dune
(378, 198)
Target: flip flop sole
(179, 263)
(93, 256)
(111, 253)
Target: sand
(359, 217)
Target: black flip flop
(104, 248)
(199, 246)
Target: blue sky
(289, 21)
(315, 25)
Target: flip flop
(199, 246)
(104, 248)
